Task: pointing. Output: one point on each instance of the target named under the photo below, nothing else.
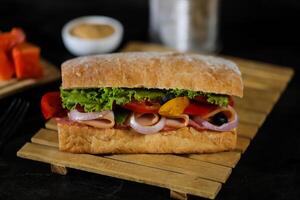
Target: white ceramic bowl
(80, 46)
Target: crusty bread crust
(154, 70)
(77, 138)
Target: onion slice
(147, 129)
(75, 115)
(224, 127)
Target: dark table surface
(260, 30)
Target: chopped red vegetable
(6, 67)
(199, 109)
(9, 39)
(18, 57)
(142, 106)
(51, 105)
(26, 57)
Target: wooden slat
(51, 124)
(265, 73)
(229, 159)
(178, 164)
(242, 144)
(46, 137)
(254, 104)
(257, 100)
(165, 162)
(263, 83)
(250, 93)
(11, 87)
(252, 83)
(247, 130)
(178, 182)
(250, 116)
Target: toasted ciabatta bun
(78, 138)
(154, 70)
(149, 70)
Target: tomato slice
(199, 109)
(51, 105)
(9, 39)
(142, 106)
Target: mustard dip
(92, 31)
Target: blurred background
(265, 30)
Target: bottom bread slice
(77, 138)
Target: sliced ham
(228, 111)
(146, 119)
(149, 120)
(146, 129)
(105, 121)
(204, 123)
(196, 126)
(177, 121)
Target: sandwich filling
(149, 111)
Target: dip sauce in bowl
(92, 31)
(92, 35)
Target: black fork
(12, 119)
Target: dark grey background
(264, 30)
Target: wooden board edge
(206, 158)
(214, 172)
(242, 144)
(214, 186)
(26, 84)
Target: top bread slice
(154, 70)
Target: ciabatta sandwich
(149, 103)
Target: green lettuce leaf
(188, 93)
(217, 99)
(104, 98)
(220, 100)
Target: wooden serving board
(195, 174)
(51, 73)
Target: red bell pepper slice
(51, 105)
